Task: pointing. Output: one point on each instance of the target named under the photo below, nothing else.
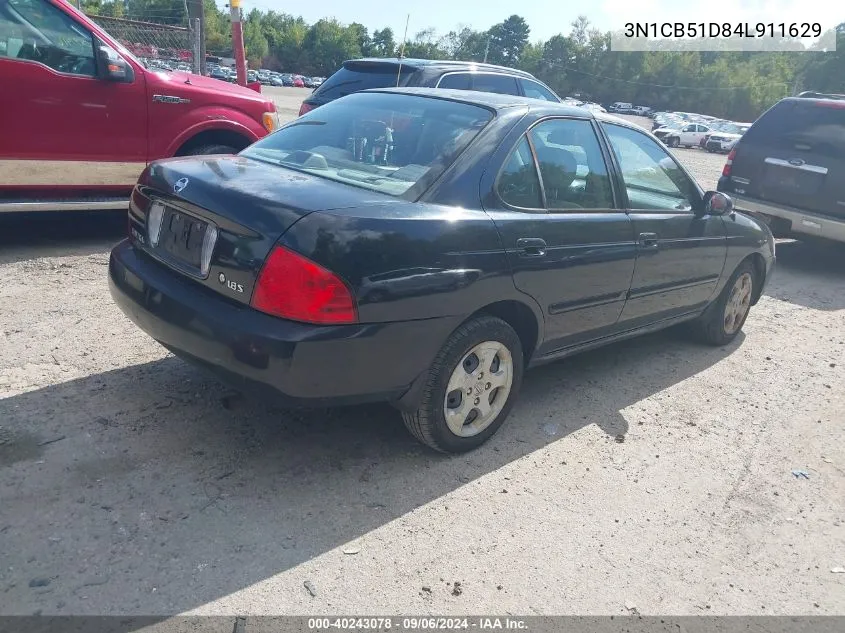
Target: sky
(547, 18)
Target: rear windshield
(357, 77)
(392, 143)
(803, 125)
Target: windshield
(392, 143)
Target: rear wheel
(202, 150)
(470, 387)
(724, 318)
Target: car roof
(440, 64)
(491, 100)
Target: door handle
(531, 246)
(648, 240)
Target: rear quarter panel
(407, 261)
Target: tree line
(737, 85)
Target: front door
(681, 253)
(569, 246)
(61, 125)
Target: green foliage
(737, 85)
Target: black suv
(360, 74)
(789, 168)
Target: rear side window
(357, 77)
(536, 91)
(502, 84)
(456, 81)
(518, 184)
(815, 126)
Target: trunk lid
(795, 155)
(239, 205)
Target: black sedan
(425, 247)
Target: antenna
(402, 51)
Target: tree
(382, 43)
(507, 41)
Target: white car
(689, 135)
(592, 107)
(726, 137)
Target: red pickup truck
(80, 116)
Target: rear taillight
(293, 287)
(726, 170)
(305, 107)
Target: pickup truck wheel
(724, 318)
(470, 388)
(203, 150)
(673, 141)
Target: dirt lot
(652, 476)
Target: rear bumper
(295, 363)
(803, 222)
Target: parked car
(107, 115)
(725, 137)
(789, 167)
(298, 81)
(262, 266)
(640, 110)
(361, 74)
(689, 135)
(621, 107)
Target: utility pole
(238, 40)
(196, 11)
(486, 49)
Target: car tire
(459, 378)
(213, 148)
(723, 319)
(673, 141)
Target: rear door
(795, 155)
(569, 246)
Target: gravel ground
(653, 476)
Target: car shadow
(810, 274)
(152, 490)
(26, 236)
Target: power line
(649, 85)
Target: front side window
(536, 91)
(518, 184)
(34, 30)
(652, 178)
(391, 143)
(572, 167)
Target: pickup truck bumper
(803, 222)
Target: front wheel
(674, 141)
(724, 318)
(470, 387)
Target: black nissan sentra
(425, 247)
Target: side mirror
(111, 66)
(717, 203)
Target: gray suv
(361, 74)
(789, 167)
